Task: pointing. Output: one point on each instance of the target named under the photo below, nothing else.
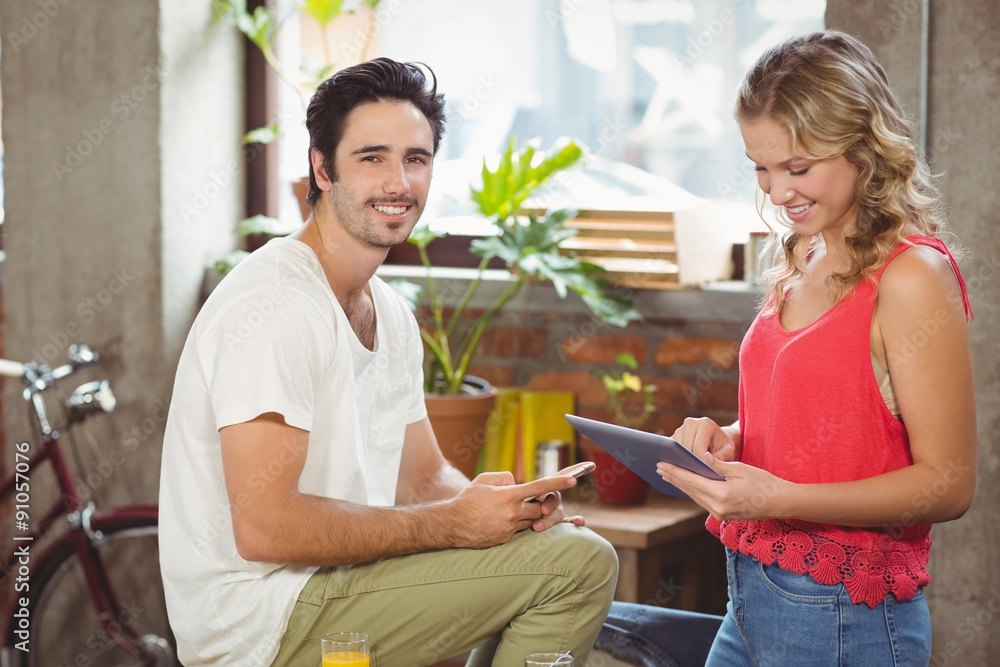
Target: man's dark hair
(377, 80)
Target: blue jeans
(777, 617)
(657, 637)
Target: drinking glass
(549, 660)
(345, 649)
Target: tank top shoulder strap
(939, 245)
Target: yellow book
(502, 432)
(542, 419)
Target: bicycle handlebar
(11, 369)
(80, 356)
(39, 378)
(66, 370)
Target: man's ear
(316, 158)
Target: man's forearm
(293, 528)
(310, 530)
(446, 482)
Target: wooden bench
(666, 557)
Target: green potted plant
(632, 403)
(529, 246)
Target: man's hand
(493, 508)
(552, 508)
(552, 513)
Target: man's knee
(589, 556)
(601, 565)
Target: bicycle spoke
(66, 627)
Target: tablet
(641, 451)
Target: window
(648, 83)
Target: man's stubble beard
(356, 219)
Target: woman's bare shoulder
(921, 277)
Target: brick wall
(692, 362)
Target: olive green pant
(541, 592)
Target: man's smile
(391, 209)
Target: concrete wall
(121, 128)
(963, 143)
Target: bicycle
(87, 599)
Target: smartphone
(577, 470)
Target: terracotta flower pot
(614, 482)
(460, 424)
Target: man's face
(383, 166)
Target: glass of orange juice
(549, 660)
(346, 649)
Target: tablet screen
(641, 451)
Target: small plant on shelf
(631, 401)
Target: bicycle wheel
(64, 625)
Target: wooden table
(666, 557)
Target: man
(302, 489)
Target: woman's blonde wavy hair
(832, 97)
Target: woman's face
(817, 195)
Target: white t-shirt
(273, 338)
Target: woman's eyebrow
(794, 158)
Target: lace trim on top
(867, 574)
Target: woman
(857, 426)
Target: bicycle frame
(82, 535)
